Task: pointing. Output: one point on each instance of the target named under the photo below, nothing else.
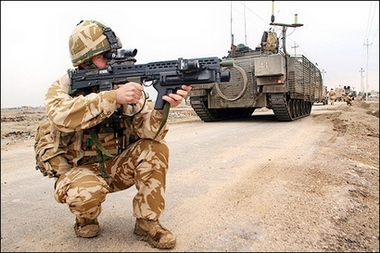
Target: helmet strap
(91, 64)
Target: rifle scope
(120, 54)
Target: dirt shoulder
(333, 196)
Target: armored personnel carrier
(320, 94)
(264, 77)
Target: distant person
(68, 150)
(332, 96)
(349, 99)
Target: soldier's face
(100, 61)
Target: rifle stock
(166, 76)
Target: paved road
(206, 160)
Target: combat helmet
(90, 38)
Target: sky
(341, 37)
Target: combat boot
(86, 228)
(155, 234)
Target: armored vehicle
(265, 77)
(320, 94)
(340, 94)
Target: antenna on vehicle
(284, 27)
(233, 47)
(245, 26)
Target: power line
(370, 21)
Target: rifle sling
(164, 118)
(101, 152)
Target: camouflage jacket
(332, 94)
(62, 136)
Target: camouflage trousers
(332, 100)
(143, 164)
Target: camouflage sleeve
(71, 114)
(146, 120)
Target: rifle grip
(159, 105)
(161, 91)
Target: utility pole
(295, 48)
(361, 80)
(366, 84)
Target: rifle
(166, 76)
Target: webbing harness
(102, 154)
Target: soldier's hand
(129, 93)
(175, 99)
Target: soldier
(349, 99)
(332, 96)
(65, 148)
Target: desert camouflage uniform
(60, 153)
(332, 95)
(349, 99)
